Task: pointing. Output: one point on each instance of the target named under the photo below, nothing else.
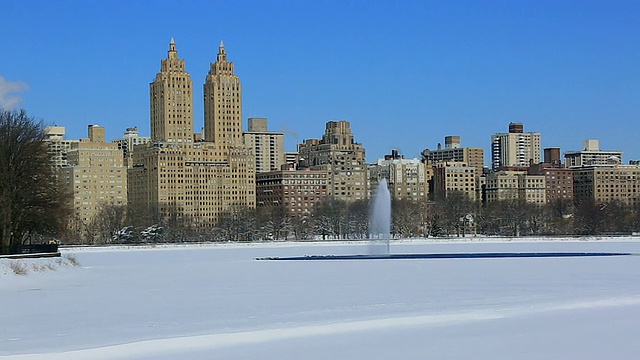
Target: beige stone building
(341, 157)
(454, 176)
(514, 185)
(96, 175)
(407, 179)
(515, 148)
(267, 146)
(193, 181)
(607, 183)
(592, 155)
(297, 190)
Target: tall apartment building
(452, 152)
(96, 175)
(128, 141)
(454, 176)
(605, 183)
(592, 155)
(407, 179)
(515, 148)
(196, 181)
(513, 185)
(297, 190)
(223, 104)
(341, 157)
(57, 146)
(268, 146)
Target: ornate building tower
(223, 104)
(341, 157)
(172, 101)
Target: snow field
(207, 302)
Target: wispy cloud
(8, 89)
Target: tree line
(454, 216)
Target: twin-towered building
(194, 181)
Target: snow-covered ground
(217, 302)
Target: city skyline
(404, 75)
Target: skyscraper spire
(222, 54)
(172, 49)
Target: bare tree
(301, 227)
(330, 218)
(357, 222)
(31, 200)
(273, 222)
(237, 224)
(454, 210)
(108, 221)
(407, 218)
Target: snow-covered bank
(215, 301)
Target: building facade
(295, 190)
(558, 180)
(96, 176)
(407, 179)
(515, 185)
(341, 157)
(268, 146)
(454, 176)
(515, 148)
(606, 183)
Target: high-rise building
(96, 175)
(407, 179)
(592, 155)
(268, 146)
(452, 152)
(57, 146)
(128, 141)
(223, 104)
(171, 97)
(341, 157)
(194, 182)
(515, 148)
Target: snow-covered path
(217, 302)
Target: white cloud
(8, 98)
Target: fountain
(380, 220)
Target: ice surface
(216, 302)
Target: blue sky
(404, 73)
